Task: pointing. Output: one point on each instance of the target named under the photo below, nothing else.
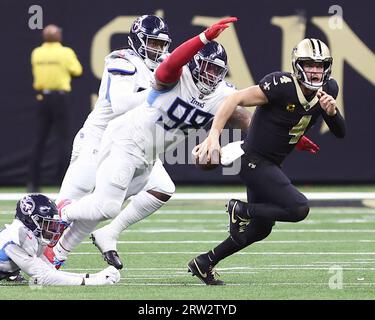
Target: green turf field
(296, 261)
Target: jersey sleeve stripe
(154, 94)
(124, 72)
(3, 255)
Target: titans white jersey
(126, 73)
(166, 116)
(21, 250)
(16, 234)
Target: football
(212, 164)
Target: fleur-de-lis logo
(291, 107)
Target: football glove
(305, 144)
(107, 276)
(231, 152)
(217, 28)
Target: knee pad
(166, 186)
(299, 213)
(122, 178)
(109, 208)
(160, 181)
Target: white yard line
(182, 270)
(227, 284)
(314, 211)
(219, 240)
(172, 230)
(237, 195)
(271, 253)
(250, 285)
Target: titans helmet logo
(136, 25)
(27, 205)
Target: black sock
(223, 250)
(246, 208)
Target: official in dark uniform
(53, 66)
(288, 104)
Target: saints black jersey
(277, 126)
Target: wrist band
(203, 38)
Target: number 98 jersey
(166, 117)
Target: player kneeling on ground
(35, 226)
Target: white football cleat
(104, 239)
(106, 244)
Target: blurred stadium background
(294, 261)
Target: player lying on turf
(288, 105)
(35, 226)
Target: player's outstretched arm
(44, 274)
(251, 96)
(169, 71)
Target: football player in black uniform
(288, 104)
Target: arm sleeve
(122, 95)
(42, 273)
(169, 71)
(336, 123)
(73, 65)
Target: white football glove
(231, 152)
(107, 276)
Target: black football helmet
(39, 214)
(209, 66)
(149, 38)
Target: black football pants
(271, 195)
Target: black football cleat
(238, 219)
(111, 256)
(17, 278)
(202, 268)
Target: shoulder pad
(226, 88)
(121, 66)
(120, 53)
(230, 85)
(331, 87)
(284, 77)
(273, 85)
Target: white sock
(141, 206)
(73, 237)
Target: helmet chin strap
(311, 87)
(306, 83)
(204, 90)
